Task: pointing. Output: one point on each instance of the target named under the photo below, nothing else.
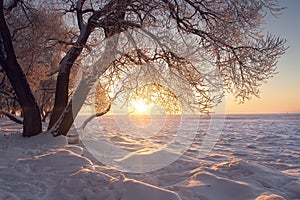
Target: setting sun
(139, 106)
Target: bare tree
(32, 119)
(36, 35)
(226, 35)
(114, 9)
(179, 40)
(39, 50)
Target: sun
(139, 106)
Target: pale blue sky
(281, 94)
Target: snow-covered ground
(256, 157)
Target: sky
(280, 94)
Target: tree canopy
(190, 50)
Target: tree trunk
(63, 115)
(65, 121)
(32, 120)
(62, 83)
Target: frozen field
(255, 157)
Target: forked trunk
(62, 83)
(65, 121)
(62, 115)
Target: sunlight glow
(139, 106)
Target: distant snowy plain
(256, 157)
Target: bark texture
(32, 119)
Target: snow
(47, 168)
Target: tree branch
(93, 116)
(79, 13)
(11, 117)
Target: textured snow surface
(255, 159)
